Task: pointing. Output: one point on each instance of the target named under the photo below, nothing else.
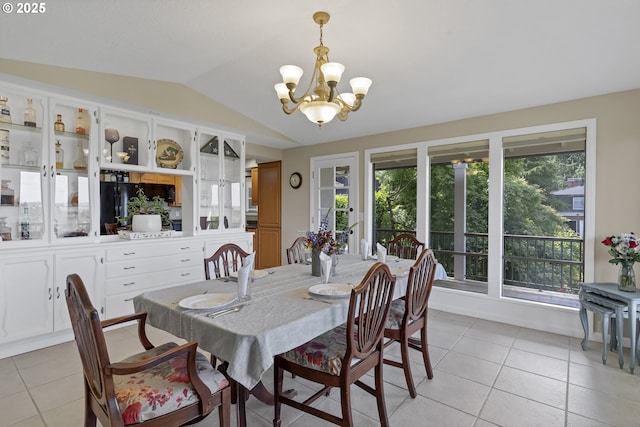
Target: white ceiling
(430, 61)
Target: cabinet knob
(57, 292)
(129, 284)
(50, 294)
(129, 268)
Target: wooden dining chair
(340, 357)
(405, 246)
(168, 385)
(228, 258)
(296, 254)
(409, 315)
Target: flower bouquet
(323, 241)
(625, 250)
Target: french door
(334, 197)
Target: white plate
(331, 290)
(200, 302)
(399, 271)
(258, 274)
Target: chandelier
(323, 102)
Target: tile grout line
(28, 389)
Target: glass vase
(626, 278)
(316, 268)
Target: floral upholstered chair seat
(394, 321)
(323, 353)
(163, 388)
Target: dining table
(287, 307)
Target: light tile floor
(485, 374)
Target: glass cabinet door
(233, 183)
(221, 181)
(209, 181)
(71, 151)
(22, 201)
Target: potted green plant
(146, 215)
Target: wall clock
(295, 180)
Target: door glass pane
(333, 200)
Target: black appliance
(114, 197)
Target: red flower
(315, 358)
(130, 415)
(607, 241)
(632, 244)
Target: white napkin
(243, 280)
(364, 249)
(325, 262)
(249, 260)
(382, 253)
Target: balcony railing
(537, 262)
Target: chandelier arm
(286, 109)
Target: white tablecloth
(278, 317)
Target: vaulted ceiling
(431, 61)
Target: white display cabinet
(24, 163)
(125, 140)
(221, 183)
(136, 142)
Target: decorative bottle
(25, 226)
(5, 110)
(29, 155)
(81, 126)
(5, 147)
(59, 155)
(58, 125)
(7, 197)
(80, 163)
(30, 114)
(5, 231)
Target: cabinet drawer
(152, 265)
(142, 282)
(147, 251)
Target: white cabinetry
(142, 143)
(89, 265)
(244, 240)
(53, 208)
(134, 268)
(27, 298)
(48, 203)
(221, 182)
(32, 289)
